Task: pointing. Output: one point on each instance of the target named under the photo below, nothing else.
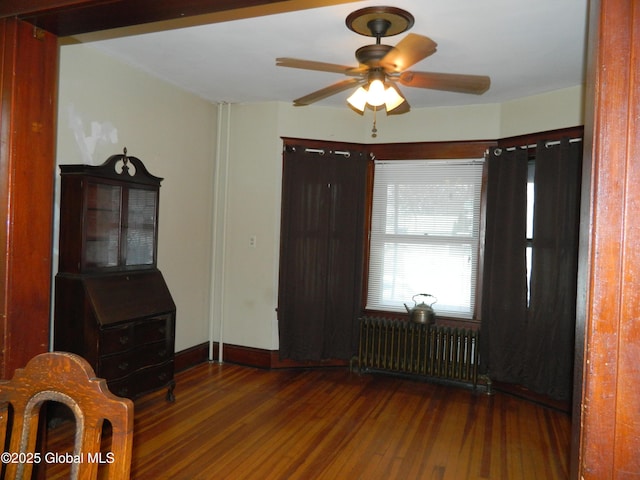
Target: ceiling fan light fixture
(389, 97)
(382, 67)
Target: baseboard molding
(522, 392)
(191, 357)
(277, 362)
(249, 356)
(261, 358)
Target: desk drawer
(117, 339)
(123, 364)
(136, 334)
(143, 381)
(153, 329)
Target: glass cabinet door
(103, 225)
(140, 230)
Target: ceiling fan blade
(410, 50)
(450, 82)
(327, 91)
(319, 66)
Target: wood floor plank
(232, 422)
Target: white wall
(222, 167)
(250, 283)
(104, 106)
(548, 111)
(474, 122)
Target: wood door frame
(605, 438)
(606, 424)
(28, 80)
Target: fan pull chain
(374, 130)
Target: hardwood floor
(233, 422)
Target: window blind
(425, 234)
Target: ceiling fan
(381, 66)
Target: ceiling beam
(12, 8)
(72, 17)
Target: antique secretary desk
(112, 305)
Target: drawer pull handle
(123, 365)
(162, 353)
(162, 376)
(162, 330)
(124, 339)
(123, 391)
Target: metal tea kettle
(422, 313)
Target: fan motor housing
(370, 55)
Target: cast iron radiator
(401, 346)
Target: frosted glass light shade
(376, 94)
(392, 98)
(358, 99)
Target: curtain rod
(319, 151)
(548, 143)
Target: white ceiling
(526, 47)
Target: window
(425, 234)
(530, 207)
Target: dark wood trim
(606, 429)
(241, 355)
(268, 359)
(28, 80)
(277, 362)
(191, 356)
(9, 8)
(427, 150)
(526, 394)
(73, 17)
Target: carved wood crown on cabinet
(112, 304)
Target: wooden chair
(69, 379)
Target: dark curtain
(504, 306)
(321, 253)
(550, 337)
(532, 346)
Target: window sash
(425, 231)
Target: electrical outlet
(252, 241)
